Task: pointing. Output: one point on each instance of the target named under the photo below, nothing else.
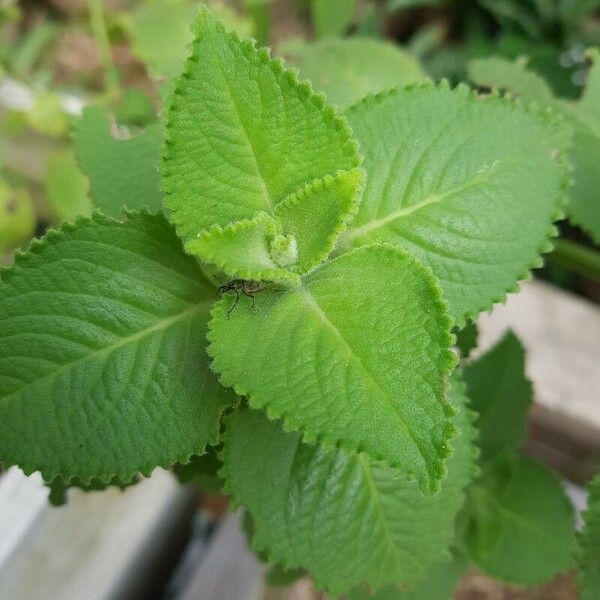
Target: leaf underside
(122, 172)
(358, 355)
(469, 185)
(245, 137)
(344, 518)
(501, 395)
(521, 524)
(103, 372)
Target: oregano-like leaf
(519, 523)
(349, 69)
(244, 137)
(501, 395)
(450, 179)
(122, 167)
(589, 542)
(103, 370)
(583, 208)
(357, 355)
(344, 518)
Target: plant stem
(98, 26)
(577, 258)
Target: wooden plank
(100, 546)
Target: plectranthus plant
(270, 289)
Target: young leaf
(344, 518)
(501, 395)
(103, 371)
(349, 69)
(450, 179)
(497, 72)
(358, 355)
(589, 541)
(519, 523)
(244, 137)
(122, 172)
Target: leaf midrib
(160, 325)
(312, 303)
(402, 212)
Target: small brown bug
(240, 286)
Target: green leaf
(17, 217)
(349, 69)
(59, 490)
(466, 339)
(497, 72)
(245, 138)
(519, 525)
(501, 395)
(589, 541)
(358, 355)
(584, 206)
(201, 471)
(448, 172)
(123, 170)
(103, 370)
(332, 17)
(66, 187)
(344, 518)
(438, 583)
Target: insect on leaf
(358, 355)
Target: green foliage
(501, 394)
(332, 17)
(201, 471)
(346, 70)
(246, 140)
(589, 541)
(17, 217)
(332, 355)
(466, 339)
(66, 187)
(343, 517)
(519, 523)
(583, 208)
(122, 167)
(101, 328)
(438, 583)
(453, 196)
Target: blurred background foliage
(83, 83)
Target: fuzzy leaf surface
(520, 524)
(358, 355)
(122, 172)
(501, 395)
(346, 70)
(447, 175)
(103, 370)
(344, 518)
(244, 136)
(589, 555)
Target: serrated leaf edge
(437, 470)
(548, 116)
